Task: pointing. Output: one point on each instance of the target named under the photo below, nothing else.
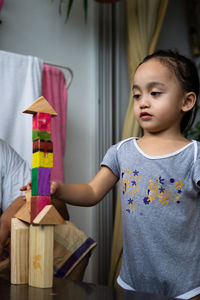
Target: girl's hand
(26, 187)
(54, 187)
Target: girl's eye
(136, 96)
(154, 94)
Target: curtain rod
(66, 68)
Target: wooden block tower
(42, 157)
(37, 211)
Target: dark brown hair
(186, 72)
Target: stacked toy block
(32, 246)
(42, 162)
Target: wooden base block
(19, 251)
(41, 256)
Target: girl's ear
(189, 101)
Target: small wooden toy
(32, 229)
(19, 251)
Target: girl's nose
(144, 103)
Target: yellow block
(42, 159)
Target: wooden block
(24, 214)
(41, 105)
(34, 183)
(41, 256)
(28, 199)
(19, 251)
(42, 145)
(43, 135)
(42, 121)
(41, 181)
(37, 204)
(44, 178)
(49, 215)
(42, 159)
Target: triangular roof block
(41, 105)
(23, 213)
(49, 216)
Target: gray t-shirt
(160, 218)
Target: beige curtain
(144, 22)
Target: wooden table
(69, 290)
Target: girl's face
(158, 98)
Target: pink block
(42, 202)
(42, 121)
(37, 204)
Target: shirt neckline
(161, 156)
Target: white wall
(35, 28)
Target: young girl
(159, 176)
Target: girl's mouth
(145, 116)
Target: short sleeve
(110, 160)
(15, 172)
(196, 172)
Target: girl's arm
(85, 194)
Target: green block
(34, 185)
(43, 135)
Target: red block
(37, 204)
(43, 146)
(42, 121)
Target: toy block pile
(32, 243)
(42, 157)
(42, 162)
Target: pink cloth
(55, 91)
(1, 4)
